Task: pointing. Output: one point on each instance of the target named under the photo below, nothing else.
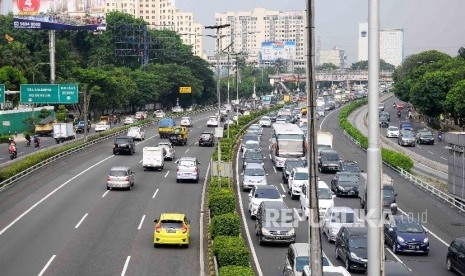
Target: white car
(136, 133)
(186, 122)
(265, 121)
(325, 199)
(336, 217)
(128, 121)
(177, 109)
(255, 128)
(159, 114)
(140, 115)
(252, 145)
(297, 178)
(212, 121)
(392, 132)
(102, 126)
(169, 152)
(260, 193)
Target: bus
(287, 140)
(269, 100)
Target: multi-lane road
(442, 221)
(62, 220)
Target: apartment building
(335, 56)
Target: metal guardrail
(7, 182)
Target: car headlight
(393, 205)
(265, 231)
(354, 256)
(341, 188)
(425, 240)
(400, 239)
(291, 232)
(334, 230)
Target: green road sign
(49, 93)
(2, 93)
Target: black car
(206, 139)
(275, 223)
(425, 136)
(346, 183)
(253, 157)
(383, 121)
(350, 166)
(124, 144)
(273, 116)
(329, 161)
(289, 164)
(80, 126)
(455, 260)
(351, 247)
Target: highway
(62, 220)
(443, 222)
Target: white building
(249, 29)
(391, 44)
(335, 56)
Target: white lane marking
(47, 265)
(270, 156)
(326, 116)
(105, 193)
(282, 186)
(125, 265)
(199, 126)
(82, 219)
(140, 161)
(187, 150)
(155, 194)
(431, 152)
(141, 221)
(202, 200)
(397, 258)
(418, 146)
(196, 143)
(429, 231)
(297, 214)
(50, 194)
(274, 169)
(244, 220)
(167, 173)
(443, 158)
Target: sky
(427, 24)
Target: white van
(153, 158)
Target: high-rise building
(335, 56)
(391, 43)
(260, 32)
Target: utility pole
(313, 219)
(373, 219)
(218, 52)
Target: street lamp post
(34, 81)
(218, 52)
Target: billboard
(59, 14)
(273, 50)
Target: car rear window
(268, 193)
(121, 140)
(118, 173)
(187, 163)
(172, 224)
(205, 135)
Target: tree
(61, 113)
(455, 100)
(361, 65)
(327, 66)
(461, 53)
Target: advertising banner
(59, 14)
(273, 50)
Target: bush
(236, 255)
(222, 202)
(225, 225)
(214, 183)
(234, 270)
(227, 242)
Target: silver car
(120, 178)
(188, 169)
(406, 138)
(169, 150)
(254, 174)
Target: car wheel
(114, 152)
(347, 264)
(394, 247)
(449, 264)
(197, 180)
(260, 240)
(108, 188)
(130, 187)
(336, 253)
(155, 245)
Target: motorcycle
(399, 114)
(28, 143)
(439, 136)
(37, 143)
(13, 152)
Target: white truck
(153, 158)
(63, 132)
(324, 140)
(388, 194)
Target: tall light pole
(34, 81)
(218, 52)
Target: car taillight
(126, 178)
(177, 169)
(108, 178)
(184, 229)
(158, 228)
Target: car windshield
(171, 224)
(343, 217)
(300, 262)
(252, 145)
(351, 168)
(118, 173)
(121, 140)
(187, 163)
(279, 215)
(254, 172)
(248, 138)
(133, 129)
(205, 135)
(185, 118)
(253, 155)
(393, 129)
(323, 147)
(295, 164)
(267, 193)
(301, 176)
(324, 193)
(388, 193)
(330, 157)
(409, 227)
(407, 134)
(358, 242)
(426, 134)
(349, 177)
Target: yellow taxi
(171, 228)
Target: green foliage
(393, 158)
(226, 242)
(231, 250)
(363, 65)
(327, 66)
(455, 100)
(44, 113)
(61, 113)
(234, 270)
(225, 225)
(221, 201)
